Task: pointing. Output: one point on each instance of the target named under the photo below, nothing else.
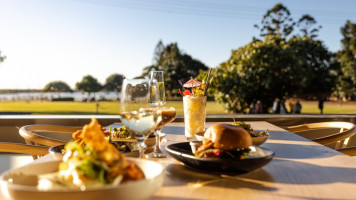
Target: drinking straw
(180, 82)
(207, 83)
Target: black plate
(257, 158)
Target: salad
(248, 128)
(123, 132)
(92, 162)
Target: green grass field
(108, 108)
(330, 107)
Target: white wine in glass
(134, 109)
(168, 113)
(159, 77)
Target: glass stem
(142, 148)
(157, 148)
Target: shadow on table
(295, 172)
(297, 151)
(287, 172)
(199, 178)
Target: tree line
(88, 84)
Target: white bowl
(195, 145)
(257, 141)
(21, 184)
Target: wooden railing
(9, 124)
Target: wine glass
(159, 77)
(168, 113)
(135, 109)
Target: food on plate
(225, 141)
(124, 132)
(95, 164)
(121, 132)
(79, 135)
(248, 128)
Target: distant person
(283, 107)
(259, 107)
(297, 107)
(321, 105)
(276, 106)
(291, 105)
(252, 107)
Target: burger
(225, 141)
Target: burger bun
(228, 137)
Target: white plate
(21, 184)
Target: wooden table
(301, 169)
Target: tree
(314, 65)
(346, 58)
(114, 82)
(264, 70)
(157, 53)
(175, 65)
(277, 21)
(156, 61)
(57, 86)
(308, 27)
(88, 84)
(281, 65)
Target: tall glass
(194, 115)
(168, 114)
(159, 77)
(135, 110)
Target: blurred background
(70, 57)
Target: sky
(50, 40)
